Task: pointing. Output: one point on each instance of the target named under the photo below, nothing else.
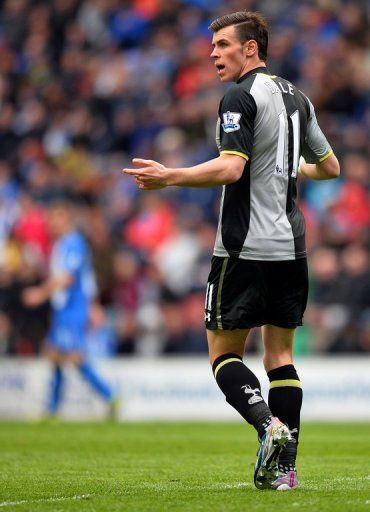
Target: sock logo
(256, 394)
(293, 431)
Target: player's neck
(63, 232)
(250, 65)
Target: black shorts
(242, 294)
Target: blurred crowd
(86, 85)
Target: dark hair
(248, 25)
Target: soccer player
(71, 289)
(258, 275)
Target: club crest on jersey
(231, 122)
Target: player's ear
(250, 48)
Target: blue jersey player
(71, 290)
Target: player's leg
(75, 350)
(96, 381)
(285, 395)
(242, 390)
(238, 383)
(288, 285)
(235, 301)
(232, 301)
(56, 382)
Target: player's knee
(54, 357)
(75, 358)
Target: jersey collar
(260, 69)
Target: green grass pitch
(92, 467)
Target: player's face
(59, 221)
(228, 54)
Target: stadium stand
(87, 85)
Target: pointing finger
(133, 172)
(141, 161)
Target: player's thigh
(278, 346)
(224, 342)
(288, 290)
(236, 295)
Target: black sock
(242, 390)
(285, 402)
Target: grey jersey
(270, 123)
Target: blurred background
(85, 86)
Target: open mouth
(220, 67)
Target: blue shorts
(68, 338)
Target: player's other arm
(223, 170)
(325, 170)
(318, 161)
(36, 295)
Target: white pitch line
(43, 500)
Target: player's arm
(318, 161)
(36, 295)
(151, 175)
(236, 119)
(326, 170)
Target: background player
(71, 289)
(259, 269)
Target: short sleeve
(315, 148)
(237, 113)
(73, 256)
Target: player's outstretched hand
(33, 296)
(149, 175)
